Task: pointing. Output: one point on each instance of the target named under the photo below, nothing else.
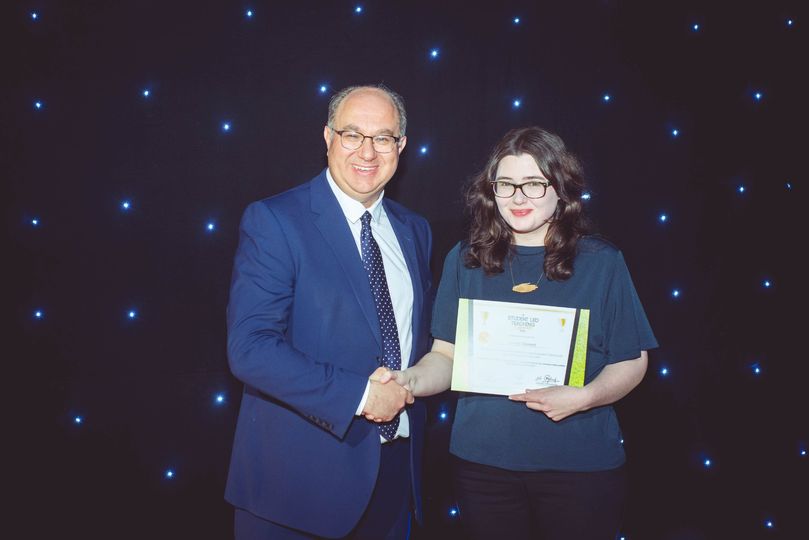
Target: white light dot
(663, 218)
(695, 27)
(790, 22)
(358, 9)
(323, 89)
(39, 314)
(675, 132)
(34, 15)
(434, 53)
(622, 441)
(442, 415)
(606, 98)
(132, 314)
(453, 511)
(769, 524)
(210, 226)
(741, 189)
(423, 150)
(516, 103)
(756, 369)
(169, 473)
(675, 293)
(586, 196)
(788, 185)
(248, 13)
(758, 96)
(219, 399)
(225, 126)
(78, 419)
(126, 205)
(35, 222)
(664, 371)
(516, 20)
(38, 105)
(803, 453)
(707, 463)
(146, 92)
(766, 283)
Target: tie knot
(366, 219)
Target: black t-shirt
(495, 431)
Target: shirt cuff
(364, 399)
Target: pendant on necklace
(525, 287)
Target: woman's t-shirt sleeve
(627, 328)
(445, 309)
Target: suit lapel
(332, 224)
(404, 233)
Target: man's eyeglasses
(532, 190)
(352, 140)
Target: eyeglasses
(352, 140)
(532, 190)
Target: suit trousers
(387, 516)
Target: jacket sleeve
(260, 353)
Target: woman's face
(528, 218)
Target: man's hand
(385, 400)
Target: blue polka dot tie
(372, 261)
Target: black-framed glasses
(352, 140)
(535, 189)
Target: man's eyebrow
(352, 127)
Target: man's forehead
(367, 101)
(368, 92)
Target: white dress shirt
(396, 274)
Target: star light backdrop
(135, 133)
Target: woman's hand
(614, 382)
(430, 375)
(556, 402)
(402, 378)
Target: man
(330, 289)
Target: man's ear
(402, 143)
(327, 136)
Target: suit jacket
(303, 337)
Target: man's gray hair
(338, 98)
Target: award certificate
(505, 348)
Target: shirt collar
(354, 209)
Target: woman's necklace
(523, 287)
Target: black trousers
(497, 503)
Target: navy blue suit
(303, 336)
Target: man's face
(363, 173)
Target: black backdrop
(101, 405)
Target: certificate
(505, 348)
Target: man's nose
(366, 150)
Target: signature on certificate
(547, 379)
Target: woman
(548, 462)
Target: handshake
(388, 394)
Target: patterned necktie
(372, 261)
